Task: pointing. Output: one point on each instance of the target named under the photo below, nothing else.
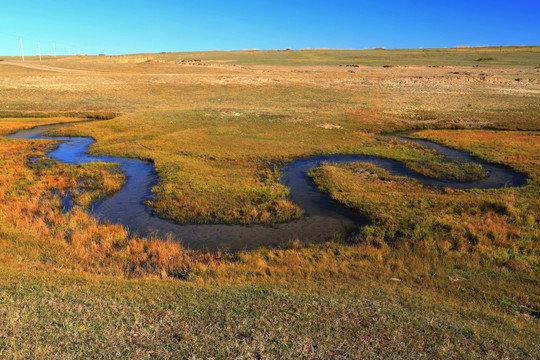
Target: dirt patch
(329, 126)
(366, 174)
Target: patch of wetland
(323, 218)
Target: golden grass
(498, 224)
(439, 274)
(502, 223)
(212, 127)
(458, 298)
(520, 150)
(401, 209)
(217, 129)
(34, 227)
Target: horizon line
(458, 47)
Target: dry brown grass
(440, 274)
(211, 126)
(33, 227)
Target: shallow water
(323, 218)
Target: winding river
(323, 218)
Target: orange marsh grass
(34, 227)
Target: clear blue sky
(119, 26)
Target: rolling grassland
(439, 273)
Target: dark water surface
(323, 218)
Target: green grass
(495, 222)
(490, 56)
(366, 313)
(438, 274)
(453, 275)
(213, 165)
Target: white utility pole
(54, 49)
(22, 50)
(39, 51)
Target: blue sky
(119, 27)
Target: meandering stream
(322, 220)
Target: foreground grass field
(279, 304)
(439, 273)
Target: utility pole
(54, 49)
(39, 51)
(22, 50)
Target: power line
(13, 51)
(22, 50)
(72, 50)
